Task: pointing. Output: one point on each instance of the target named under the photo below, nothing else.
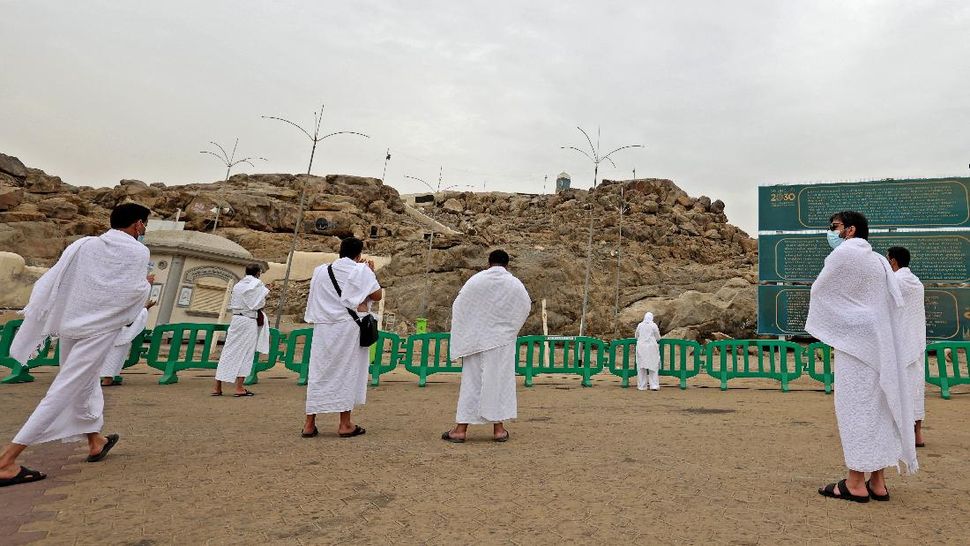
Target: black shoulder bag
(368, 324)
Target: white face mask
(834, 239)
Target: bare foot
(344, 430)
(95, 447)
(9, 471)
(456, 435)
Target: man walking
(853, 308)
(485, 321)
(911, 334)
(96, 288)
(247, 332)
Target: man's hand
(370, 264)
(362, 308)
(150, 304)
(150, 279)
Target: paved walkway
(602, 465)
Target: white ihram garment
(485, 320)
(114, 361)
(244, 337)
(648, 354)
(94, 290)
(337, 375)
(912, 337)
(853, 309)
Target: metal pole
(386, 159)
(619, 250)
(589, 257)
(296, 237)
(216, 223)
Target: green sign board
(782, 310)
(937, 256)
(919, 203)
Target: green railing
(298, 362)
(773, 359)
(951, 365)
(190, 347)
(680, 358)
(261, 362)
(623, 360)
(137, 351)
(384, 355)
(584, 356)
(49, 355)
(818, 364)
(428, 353)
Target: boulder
(12, 166)
(10, 197)
(58, 207)
(453, 205)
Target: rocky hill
(680, 258)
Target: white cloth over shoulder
(114, 361)
(97, 286)
(489, 312)
(911, 332)
(853, 309)
(245, 337)
(248, 298)
(648, 344)
(356, 282)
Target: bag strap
(336, 287)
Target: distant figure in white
(648, 354)
(853, 308)
(485, 321)
(911, 340)
(337, 378)
(121, 348)
(247, 334)
(96, 288)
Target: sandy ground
(584, 465)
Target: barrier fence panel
(773, 359)
(584, 356)
(951, 358)
(49, 355)
(680, 358)
(429, 353)
(818, 364)
(298, 361)
(623, 360)
(384, 355)
(185, 349)
(261, 362)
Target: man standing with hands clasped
(485, 321)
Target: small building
(562, 182)
(194, 272)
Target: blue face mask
(834, 239)
(141, 239)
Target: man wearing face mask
(96, 288)
(853, 308)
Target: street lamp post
(596, 159)
(315, 138)
(230, 161)
(621, 208)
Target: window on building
(208, 296)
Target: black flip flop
(358, 430)
(922, 444)
(112, 440)
(247, 393)
(25, 475)
(310, 434)
(502, 438)
(843, 494)
(874, 496)
(215, 394)
(446, 436)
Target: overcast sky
(725, 96)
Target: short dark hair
(900, 254)
(498, 257)
(351, 247)
(126, 214)
(254, 269)
(851, 218)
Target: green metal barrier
(623, 360)
(49, 355)
(384, 355)
(818, 364)
(190, 347)
(585, 356)
(261, 363)
(298, 362)
(680, 358)
(428, 353)
(774, 359)
(948, 374)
